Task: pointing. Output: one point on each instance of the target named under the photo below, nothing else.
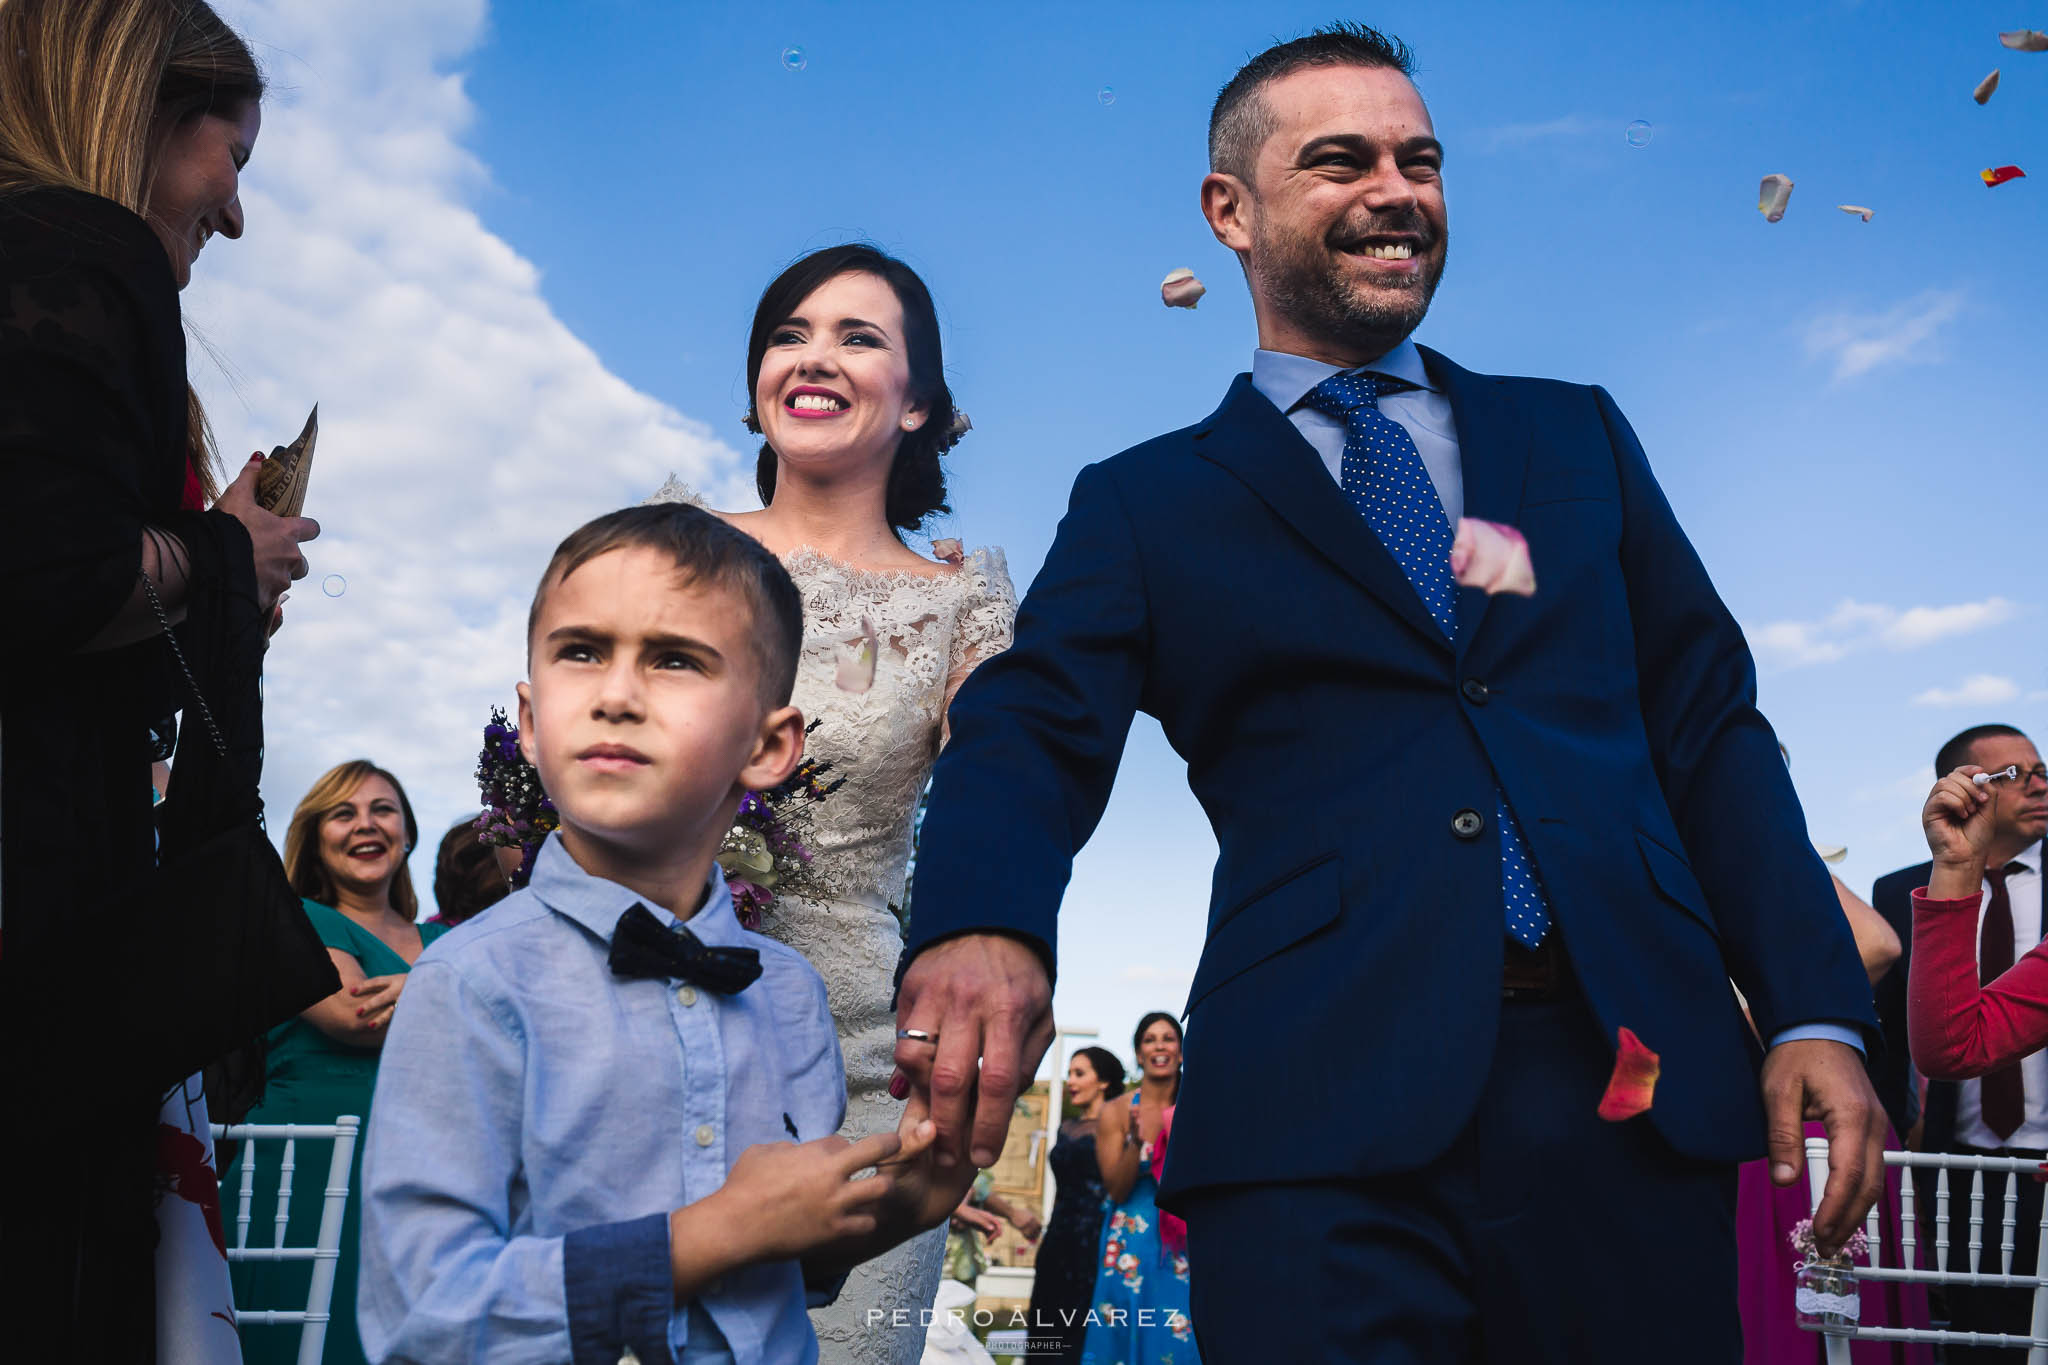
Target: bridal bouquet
(517, 812)
(766, 852)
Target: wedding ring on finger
(916, 1035)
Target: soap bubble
(334, 585)
(794, 58)
(1638, 134)
(1106, 95)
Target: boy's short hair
(705, 550)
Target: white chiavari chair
(325, 1253)
(1988, 1239)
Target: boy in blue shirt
(601, 1132)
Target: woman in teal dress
(345, 851)
(1139, 1312)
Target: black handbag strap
(163, 619)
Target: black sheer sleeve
(91, 407)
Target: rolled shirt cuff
(620, 1288)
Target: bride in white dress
(849, 390)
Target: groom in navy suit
(1464, 840)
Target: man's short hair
(706, 550)
(1956, 752)
(1240, 121)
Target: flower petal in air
(1998, 175)
(1984, 87)
(1181, 289)
(1634, 1082)
(1772, 196)
(1857, 209)
(950, 551)
(1486, 554)
(2025, 40)
(855, 659)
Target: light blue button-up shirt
(537, 1119)
(1425, 414)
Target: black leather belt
(1539, 973)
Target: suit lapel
(1493, 452)
(1249, 437)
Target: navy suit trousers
(1543, 1234)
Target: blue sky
(1841, 412)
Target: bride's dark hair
(917, 485)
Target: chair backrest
(325, 1254)
(1913, 1261)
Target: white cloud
(1522, 134)
(1860, 342)
(1854, 626)
(1912, 786)
(464, 429)
(1981, 689)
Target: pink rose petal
(854, 659)
(1181, 289)
(1633, 1086)
(950, 551)
(2025, 40)
(1486, 554)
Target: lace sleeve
(675, 490)
(988, 617)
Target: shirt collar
(596, 904)
(2030, 857)
(1286, 379)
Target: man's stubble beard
(1305, 286)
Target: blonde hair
(302, 861)
(89, 92)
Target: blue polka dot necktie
(1385, 480)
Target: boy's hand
(797, 1198)
(926, 1192)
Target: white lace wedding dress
(932, 629)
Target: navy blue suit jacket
(1217, 579)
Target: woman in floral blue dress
(1140, 1305)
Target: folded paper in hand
(281, 482)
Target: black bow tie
(641, 947)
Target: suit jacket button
(1467, 823)
(1474, 690)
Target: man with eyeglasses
(2006, 1112)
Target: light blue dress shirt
(537, 1118)
(1425, 414)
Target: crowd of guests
(1110, 1277)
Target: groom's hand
(987, 999)
(1815, 1078)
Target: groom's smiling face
(1342, 228)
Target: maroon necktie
(2004, 1094)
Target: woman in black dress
(1063, 1275)
(123, 128)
